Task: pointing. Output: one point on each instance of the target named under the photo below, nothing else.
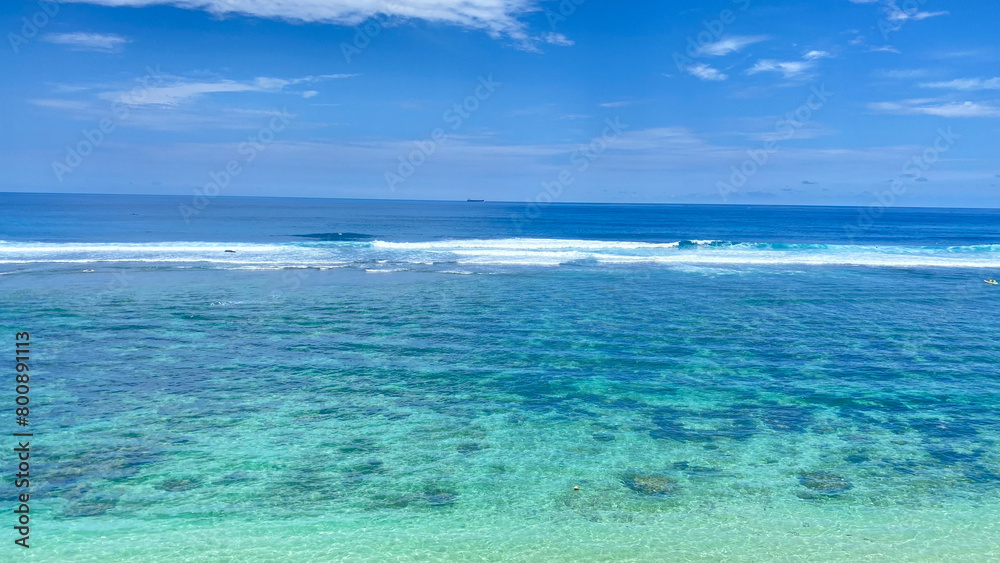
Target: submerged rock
(786, 418)
(362, 470)
(947, 456)
(96, 507)
(857, 458)
(944, 429)
(654, 485)
(359, 445)
(824, 483)
(439, 497)
(431, 496)
(468, 448)
(708, 426)
(177, 485)
(981, 474)
(233, 478)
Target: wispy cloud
(883, 49)
(558, 39)
(894, 13)
(66, 105)
(497, 17)
(976, 54)
(180, 90)
(156, 119)
(966, 84)
(705, 72)
(810, 130)
(815, 55)
(789, 69)
(646, 155)
(936, 108)
(80, 41)
(901, 74)
(728, 45)
(619, 104)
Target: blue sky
(840, 102)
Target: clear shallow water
(210, 410)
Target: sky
(839, 102)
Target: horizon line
(498, 201)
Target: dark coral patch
(437, 496)
(824, 483)
(786, 418)
(94, 507)
(467, 448)
(722, 425)
(943, 429)
(948, 456)
(652, 485)
(178, 485)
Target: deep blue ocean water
(423, 381)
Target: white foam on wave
(133, 248)
(556, 252)
(783, 259)
(248, 255)
(381, 256)
(522, 244)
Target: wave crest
(499, 252)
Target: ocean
(455, 381)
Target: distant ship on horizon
(475, 200)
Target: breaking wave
(513, 252)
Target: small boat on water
(475, 200)
(991, 281)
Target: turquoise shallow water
(834, 415)
(404, 407)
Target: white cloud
(814, 55)
(809, 130)
(728, 45)
(616, 104)
(309, 94)
(790, 69)
(705, 72)
(966, 84)
(66, 105)
(930, 107)
(80, 41)
(188, 118)
(900, 74)
(498, 17)
(180, 90)
(558, 39)
(962, 54)
(650, 157)
(894, 17)
(883, 49)
(894, 13)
